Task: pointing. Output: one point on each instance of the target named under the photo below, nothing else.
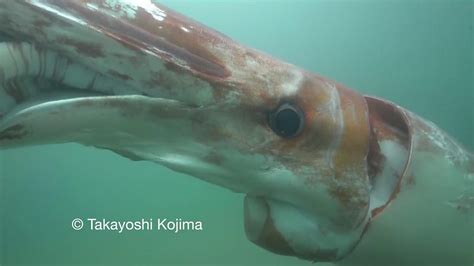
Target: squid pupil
(287, 121)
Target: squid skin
(364, 182)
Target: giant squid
(328, 173)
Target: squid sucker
(329, 175)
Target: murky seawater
(415, 53)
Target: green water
(416, 53)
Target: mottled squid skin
(356, 185)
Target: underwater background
(418, 54)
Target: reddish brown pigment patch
(221, 89)
(344, 195)
(354, 143)
(349, 151)
(375, 212)
(13, 133)
(84, 48)
(119, 75)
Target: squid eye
(287, 120)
